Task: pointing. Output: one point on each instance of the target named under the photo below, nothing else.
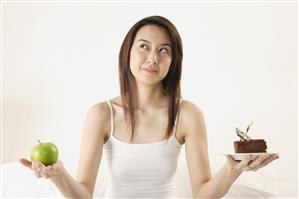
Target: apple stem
(39, 142)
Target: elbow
(205, 191)
(208, 197)
(88, 193)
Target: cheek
(166, 67)
(135, 63)
(135, 60)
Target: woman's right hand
(40, 170)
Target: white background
(239, 65)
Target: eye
(144, 46)
(163, 50)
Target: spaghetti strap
(111, 118)
(134, 170)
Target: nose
(152, 58)
(151, 61)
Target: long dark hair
(171, 83)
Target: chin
(148, 82)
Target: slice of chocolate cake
(248, 145)
(251, 146)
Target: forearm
(218, 186)
(70, 188)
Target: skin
(148, 52)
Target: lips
(150, 70)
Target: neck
(148, 96)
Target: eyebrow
(165, 44)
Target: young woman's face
(150, 55)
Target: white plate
(240, 156)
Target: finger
(37, 164)
(26, 163)
(39, 171)
(36, 171)
(48, 171)
(44, 175)
(255, 163)
(267, 161)
(243, 164)
(231, 160)
(37, 174)
(57, 169)
(57, 166)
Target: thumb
(26, 163)
(231, 160)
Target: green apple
(46, 153)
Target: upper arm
(94, 132)
(196, 145)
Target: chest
(149, 126)
(144, 161)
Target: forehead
(153, 33)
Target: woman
(142, 130)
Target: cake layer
(252, 146)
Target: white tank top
(141, 170)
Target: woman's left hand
(249, 164)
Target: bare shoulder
(191, 117)
(190, 112)
(98, 116)
(100, 107)
(196, 145)
(99, 111)
(93, 138)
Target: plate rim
(240, 156)
(270, 153)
